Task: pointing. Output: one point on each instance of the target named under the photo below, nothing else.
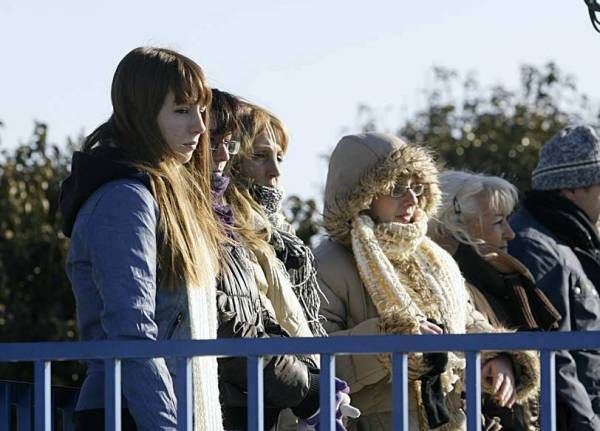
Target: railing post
(5, 406)
(112, 394)
(255, 394)
(548, 391)
(400, 391)
(327, 393)
(184, 393)
(43, 413)
(473, 391)
(22, 394)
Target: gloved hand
(343, 410)
(491, 424)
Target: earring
(457, 209)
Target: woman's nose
(509, 234)
(221, 154)
(198, 125)
(274, 169)
(410, 197)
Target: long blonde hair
(189, 236)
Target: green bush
(36, 303)
(497, 130)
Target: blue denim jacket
(112, 267)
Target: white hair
(464, 196)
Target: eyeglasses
(400, 190)
(233, 146)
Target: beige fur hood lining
(408, 161)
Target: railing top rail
(58, 351)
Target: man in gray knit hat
(557, 239)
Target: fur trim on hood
(366, 165)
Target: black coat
(289, 381)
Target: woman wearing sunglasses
(381, 274)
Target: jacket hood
(366, 165)
(90, 171)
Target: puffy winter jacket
(567, 282)
(288, 380)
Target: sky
(311, 62)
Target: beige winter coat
(360, 168)
(349, 310)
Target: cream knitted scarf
(401, 271)
(376, 270)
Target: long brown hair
(189, 234)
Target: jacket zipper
(176, 323)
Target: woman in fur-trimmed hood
(381, 274)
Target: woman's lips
(404, 217)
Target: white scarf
(203, 320)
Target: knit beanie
(569, 160)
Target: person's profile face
(181, 126)
(220, 152)
(400, 205)
(587, 199)
(263, 164)
(492, 227)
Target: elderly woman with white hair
(472, 226)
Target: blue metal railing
(16, 402)
(42, 354)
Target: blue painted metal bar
(23, 397)
(327, 393)
(17, 397)
(64, 351)
(42, 397)
(53, 411)
(255, 394)
(473, 391)
(400, 391)
(112, 394)
(548, 391)
(45, 352)
(184, 392)
(5, 406)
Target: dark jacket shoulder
(535, 246)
